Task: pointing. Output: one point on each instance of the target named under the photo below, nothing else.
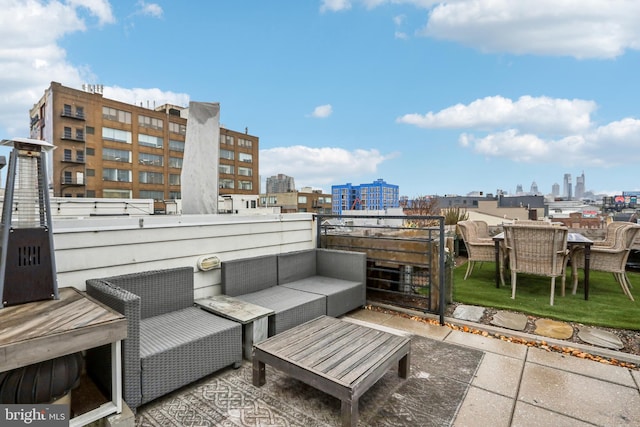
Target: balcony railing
(78, 115)
(71, 181)
(77, 137)
(405, 255)
(70, 159)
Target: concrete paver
(527, 415)
(499, 374)
(489, 344)
(590, 368)
(379, 326)
(577, 396)
(482, 407)
(371, 316)
(435, 332)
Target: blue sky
(443, 97)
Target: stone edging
(491, 330)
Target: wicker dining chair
(482, 229)
(478, 249)
(612, 259)
(538, 250)
(610, 234)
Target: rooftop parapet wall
(101, 247)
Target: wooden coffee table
(337, 357)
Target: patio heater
(27, 262)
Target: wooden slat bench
(337, 357)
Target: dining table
(573, 240)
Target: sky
(437, 97)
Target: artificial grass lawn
(607, 306)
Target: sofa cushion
(294, 266)
(292, 307)
(247, 275)
(176, 348)
(342, 296)
(160, 291)
(344, 265)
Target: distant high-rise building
(567, 186)
(534, 188)
(555, 189)
(580, 186)
(519, 190)
(280, 184)
(375, 196)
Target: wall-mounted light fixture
(208, 262)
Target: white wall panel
(99, 248)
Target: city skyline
(436, 97)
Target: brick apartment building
(111, 149)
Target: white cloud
(593, 29)
(611, 145)
(398, 21)
(153, 97)
(322, 111)
(540, 114)
(573, 150)
(512, 145)
(581, 29)
(150, 9)
(334, 5)
(31, 57)
(621, 132)
(537, 130)
(370, 4)
(100, 9)
(317, 167)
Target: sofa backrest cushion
(248, 275)
(346, 265)
(160, 291)
(294, 266)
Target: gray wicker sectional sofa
(170, 342)
(299, 286)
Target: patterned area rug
(431, 396)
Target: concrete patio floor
(513, 385)
(517, 385)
